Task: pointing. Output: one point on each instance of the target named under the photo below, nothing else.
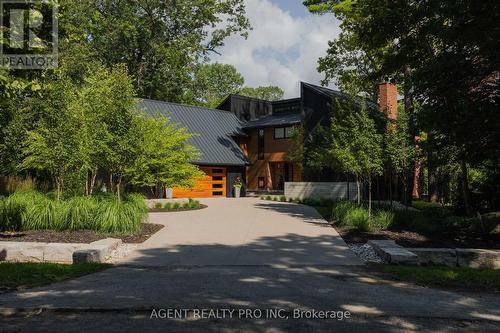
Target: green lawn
(27, 275)
(454, 277)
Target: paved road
(245, 255)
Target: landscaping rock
(477, 258)
(59, 253)
(88, 256)
(392, 253)
(426, 256)
(366, 252)
(21, 252)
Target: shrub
(176, 205)
(269, 197)
(138, 201)
(341, 208)
(44, 215)
(79, 213)
(282, 198)
(357, 218)
(383, 219)
(118, 217)
(167, 206)
(158, 205)
(193, 204)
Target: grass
(27, 275)
(441, 276)
(31, 210)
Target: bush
(158, 205)
(269, 197)
(79, 213)
(193, 204)
(176, 205)
(282, 198)
(341, 208)
(357, 218)
(118, 217)
(29, 210)
(167, 206)
(383, 219)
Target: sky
(284, 46)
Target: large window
(284, 132)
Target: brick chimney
(389, 99)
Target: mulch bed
(460, 239)
(161, 210)
(83, 236)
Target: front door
(281, 172)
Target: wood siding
(275, 150)
(212, 185)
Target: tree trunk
(465, 188)
(369, 199)
(58, 182)
(358, 187)
(408, 103)
(111, 183)
(92, 182)
(118, 188)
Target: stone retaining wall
(473, 258)
(57, 252)
(319, 190)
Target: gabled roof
(212, 130)
(330, 93)
(275, 120)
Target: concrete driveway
(248, 255)
(243, 232)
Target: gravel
(365, 252)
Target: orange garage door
(212, 185)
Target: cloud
(281, 49)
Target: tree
(352, 144)
(400, 154)
(214, 82)
(163, 156)
(161, 42)
(54, 145)
(267, 93)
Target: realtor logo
(28, 34)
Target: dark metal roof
(275, 120)
(212, 130)
(338, 94)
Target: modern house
(252, 139)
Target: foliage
(384, 220)
(352, 144)
(163, 155)
(30, 210)
(214, 82)
(267, 93)
(160, 42)
(357, 218)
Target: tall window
(261, 144)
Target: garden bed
(79, 236)
(459, 239)
(172, 210)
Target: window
(217, 194)
(284, 132)
(217, 171)
(217, 185)
(262, 182)
(261, 144)
(217, 178)
(279, 133)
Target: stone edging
(63, 253)
(473, 258)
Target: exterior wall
(318, 190)
(275, 150)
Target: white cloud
(281, 49)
